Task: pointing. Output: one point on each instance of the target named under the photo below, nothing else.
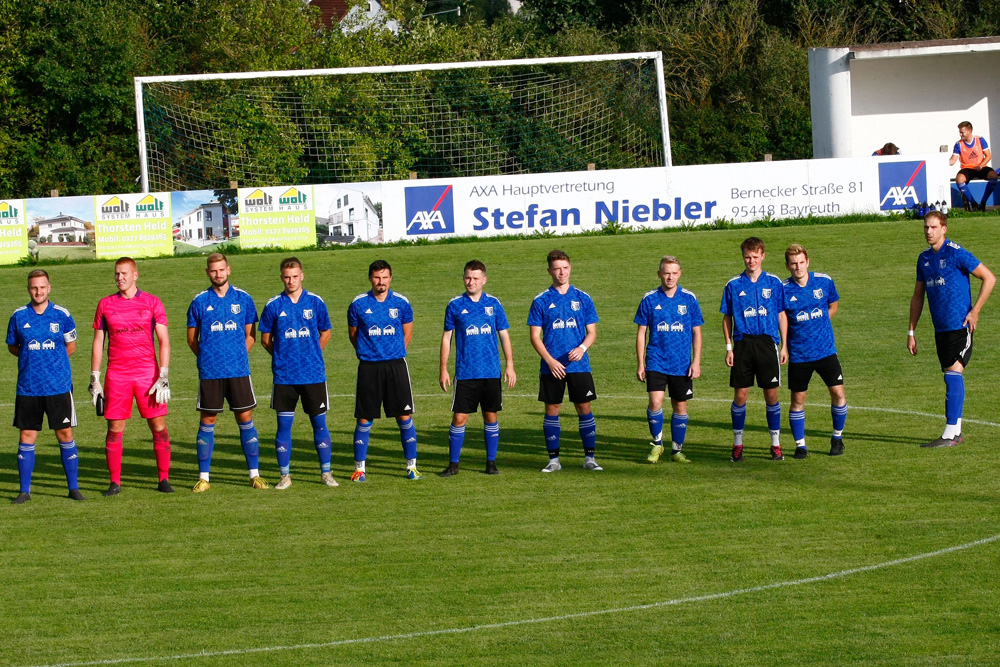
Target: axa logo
(430, 209)
(901, 184)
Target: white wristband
(910, 333)
(729, 347)
(582, 347)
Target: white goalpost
(438, 120)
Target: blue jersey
(945, 275)
(42, 362)
(221, 322)
(380, 325)
(810, 332)
(295, 328)
(754, 306)
(476, 325)
(563, 319)
(670, 321)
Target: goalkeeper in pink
(128, 320)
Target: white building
(912, 94)
(352, 214)
(62, 229)
(203, 225)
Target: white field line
(533, 621)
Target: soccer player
(563, 326)
(943, 275)
(380, 326)
(973, 155)
(672, 318)
(129, 319)
(754, 326)
(477, 319)
(222, 327)
(42, 335)
(294, 329)
(810, 301)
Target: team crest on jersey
(818, 293)
(54, 327)
(394, 313)
(235, 308)
(307, 314)
(942, 263)
(682, 310)
(488, 310)
(766, 293)
(575, 305)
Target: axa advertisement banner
(660, 197)
(277, 216)
(13, 231)
(134, 225)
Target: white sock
(800, 443)
(359, 465)
(254, 472)
(203, 475)
(738, 438)
(411, 463)
(675, 447)
(951, 431)
(775, 438)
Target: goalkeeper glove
(95, 387)
(161, 387)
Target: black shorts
(469, 395)
(678, 387)
(29, 410)
(383, 385)
(953, 346)
(984, 174)
(581, 388)
(755, 356)
(238, 392)
(799, 373)
(315, 401)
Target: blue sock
(990, 187)
(797, 422)
(738, 414)
(773, 417)
(204, 445)
(250, 443)
(588, 433)
(71, 463)
(678, 429)
(456, 436)
(954, 398)
(964, 189)
(283, 442)
(321, 437)
(25, 465)
(408, 436)
(361, 433)
(552, 430)
(491, 434)
(839, 415)
(655, 420)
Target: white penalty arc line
(535, 621)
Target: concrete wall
(917, 103)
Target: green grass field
(705, 564)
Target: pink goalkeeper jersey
(129, 325)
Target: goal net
(382, 123)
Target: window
(350, 230)
(199, 216)
(345, 200)
(208, 216)
(338, 203)
(199, 232)
(336, 231)
(350, 214)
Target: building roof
(331, 11)
(931, 47)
